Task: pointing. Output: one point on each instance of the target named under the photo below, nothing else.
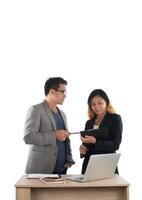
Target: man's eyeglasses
(62, 91)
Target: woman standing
(101, 114)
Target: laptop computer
(101, 166)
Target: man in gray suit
(46, 132)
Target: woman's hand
(67, 165)
(88, 139)
(83, 150)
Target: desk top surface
(37, 183)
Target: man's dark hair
(53, 83)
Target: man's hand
(88, 139)
(61, 135)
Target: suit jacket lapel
(105, 119)
(50, 114)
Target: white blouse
(95, 126)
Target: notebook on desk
(101, 166)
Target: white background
(91, 44)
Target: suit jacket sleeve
(32, 132)
(69, 158)
(115, 136)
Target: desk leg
(23, 193)
(126, 193)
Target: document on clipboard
(100, 133)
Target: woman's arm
(112, 144)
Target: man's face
(60, 94)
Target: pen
(74, 133)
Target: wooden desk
(110, 189)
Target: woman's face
(98, 105)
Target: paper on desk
(43, 176)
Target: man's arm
(32, 132)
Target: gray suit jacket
(39, 131)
